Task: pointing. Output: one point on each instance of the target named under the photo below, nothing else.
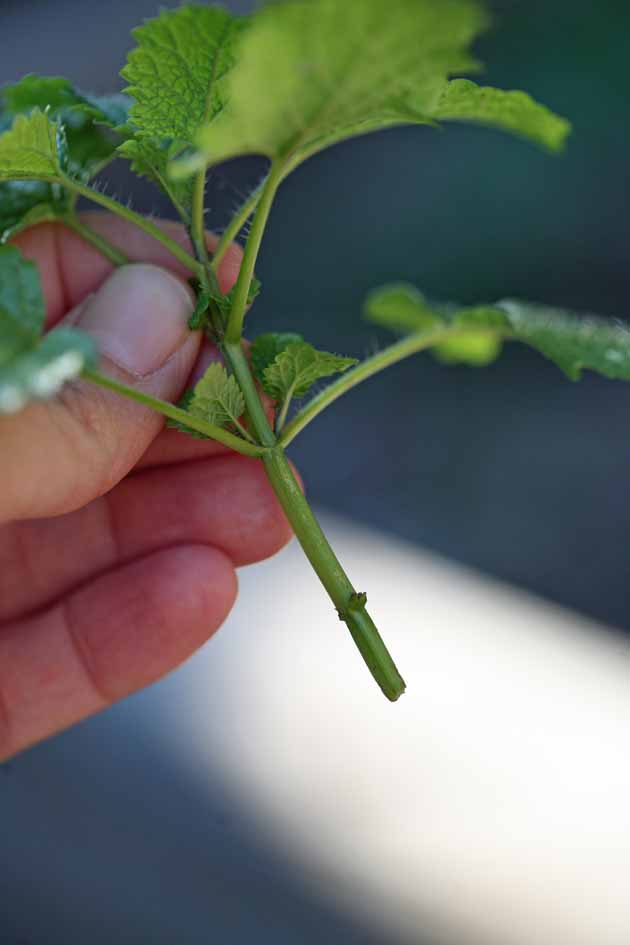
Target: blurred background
(511, 471)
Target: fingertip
(230, 267)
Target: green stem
(107, 249)
(235, 226)
(175, 413)
(241, 293)
(282, 416)
(240, 368)
(142, 222)
(350, 605)
(378, 362)
(197, 230)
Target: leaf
(266, 348)
(150, 158)
(184, 404)
(517, 112)
(224, 302)
(176, 70)
(401, 307)
(572, 342)
(25, 203)
(87, 119)
(474, 335)
(297, 367)
(83, 147)
(309, 74)
(199, 319)
(30, 149)
(217, 397)
(32, 366)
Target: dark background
(512, 470)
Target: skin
(118, 540)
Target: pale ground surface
(490, 805)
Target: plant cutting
(293, 78)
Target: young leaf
(224, 302)
(217, 397)
(60, 96)
(31, 149)
(176, 71)
(175, 74)
(89, 146)
(25, 203)
(32, 366)
(266, 348)
(150, 158)
(297, 367)
(87, 119)
(184, 404)
(475, 335)
(310, 74)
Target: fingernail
(138, 318)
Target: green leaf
(474, 335)
(175, 75)
(400, 307)
(217, 397)
(517, 112)
(184, 404)
(87, 119)
(297, 367)
(25, 203)
(266, 348)
(199, 317)
(224, 302)
(32, 366)
(176, 71)
(310, 74)
(150, 158)
(31, 149)
(84, 144)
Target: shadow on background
(512, 470)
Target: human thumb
(57, 456)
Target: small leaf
(150, 158)
(87, 119)
(25, 203)
(30, 149)
(32, 366)
(224, 302)
(198, 319)
(217, 397)
(475, 335)
(184, 404)
(175, 72)
(517, 112)
(401, 307)
(266, 348)
(298, 366)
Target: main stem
(349, 604)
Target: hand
(118, 540)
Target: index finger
(70, 268)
